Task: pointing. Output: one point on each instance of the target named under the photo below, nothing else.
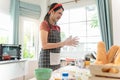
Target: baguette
(117, 57)
(111, 53)
(101, 53)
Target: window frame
(87, 50)
(21, 35)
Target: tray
(98, 70)
(102, 78)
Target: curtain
(105, 22)
(19, 8)
(14, 9)
(30, 10)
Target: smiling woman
(50, 38)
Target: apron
(50, 58)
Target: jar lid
(87, 58)
(65, 74)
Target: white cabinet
(12, 70)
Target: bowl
(43, 73)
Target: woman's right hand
(71, 41)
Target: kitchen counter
(11, 61)
(12, 69)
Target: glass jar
(87, 62)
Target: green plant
(3, 40)
(63, 36)
(26, 54)
(94, 22)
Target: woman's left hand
(71, 41)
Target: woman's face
(57, 15)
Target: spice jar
(87, 62)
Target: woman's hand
(71, 41)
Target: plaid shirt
(44, 60)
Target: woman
(50, 38)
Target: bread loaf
(117, 57)
(98, 62)
(105, 69)
(101, 53)
(111, 53)
(110, 70)
(113, 70)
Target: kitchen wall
(116, 21)
(4, 6)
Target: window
(30, 38)
(6, 30)
(83, 23)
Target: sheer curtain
(105, 22)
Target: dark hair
(55, 9)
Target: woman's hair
(53, 7)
